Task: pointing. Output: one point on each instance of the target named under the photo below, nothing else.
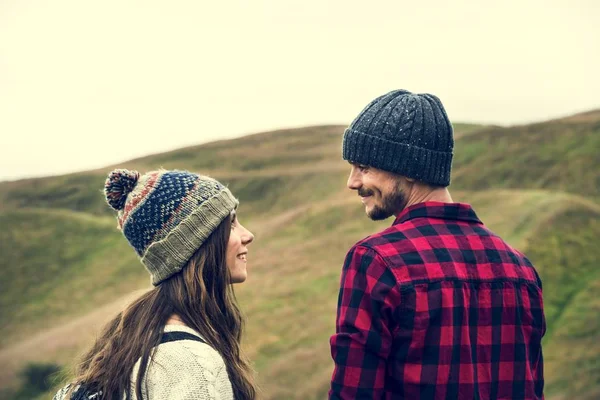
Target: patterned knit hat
(167, 215)
(405, 133)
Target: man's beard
(391, 203)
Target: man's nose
(353, 180)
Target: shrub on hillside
(36, 379)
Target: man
(435, 306)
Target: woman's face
(237, 250)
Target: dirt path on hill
(57, 344)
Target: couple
(434, 307)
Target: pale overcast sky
(85, 84)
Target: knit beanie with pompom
(167, 215)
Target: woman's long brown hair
(202, 296)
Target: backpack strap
(177, 335)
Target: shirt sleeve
(364, 326)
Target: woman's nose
(248, 236)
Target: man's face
(380, 191)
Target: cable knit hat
(167, 215)
(405, 133)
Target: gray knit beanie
(405, 133)
(167, 215)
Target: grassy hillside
(567, 253)
(558, 155)
(48, 258)
(252, 165)
(62, 256)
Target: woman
(180, 340)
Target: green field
(65, 268)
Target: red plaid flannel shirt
(438, 307)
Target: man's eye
(363, 167)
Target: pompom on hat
(119, 184)
(167, 215)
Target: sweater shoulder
(184, 366)
(189, 351)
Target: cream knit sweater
(184, 370)
(181, 370)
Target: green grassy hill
(47, 259)
(556, 155)
(536, 185)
